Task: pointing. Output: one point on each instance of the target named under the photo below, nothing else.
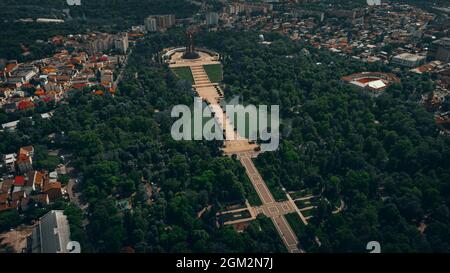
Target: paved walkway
(205, 59)
(235, 144)
(341, 207)
(296, 209)
(260, 186)
(272, 209)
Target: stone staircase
(200, 76)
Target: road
(122, 70)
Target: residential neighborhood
(250, 129)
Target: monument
(190, 52)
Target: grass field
(184, 73)
(308, 213)
(273, 185)
(296, 223)
(250, 193)
(301, 193)
(214, 72)
(234, 216)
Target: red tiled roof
(53, 185)
(3, 198)
(39, 179)
(442, 120)
(19, 181)
(22, 158)
(25, 104)
(39, 92)
(10, 67)
(26, 150)
(78, 85)
(4, 207)
(40, 198)
(47, 99)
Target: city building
(99, 42)
(51, 234)
(53, 190)
(27, 150)
(165, 21)
(440, 50)
(29, 185)
(9, 162)
(49, 20)
(24, 163)
(408, 60)
(159, 22)
(212, 18)
(150, 24)
(121, 42)
(107, 77)
(372, 81)
(25, 159)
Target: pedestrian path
(245, 151)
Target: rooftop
(409, 57)
(52, 234)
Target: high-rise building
(159, 22)
(99, 42)
(150, 24)
(165, 21)
(212, 18)
(121, 42)
(440, 50)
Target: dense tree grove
(121, 145)
(99, 15)
(384, 156)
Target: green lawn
(214, 71)
(296, 223)
(308, 213)
(250, 193)
(234, 216)
(301, 204)
(273, 185)
(184, 73)
(301, 193)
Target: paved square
(273, 209)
